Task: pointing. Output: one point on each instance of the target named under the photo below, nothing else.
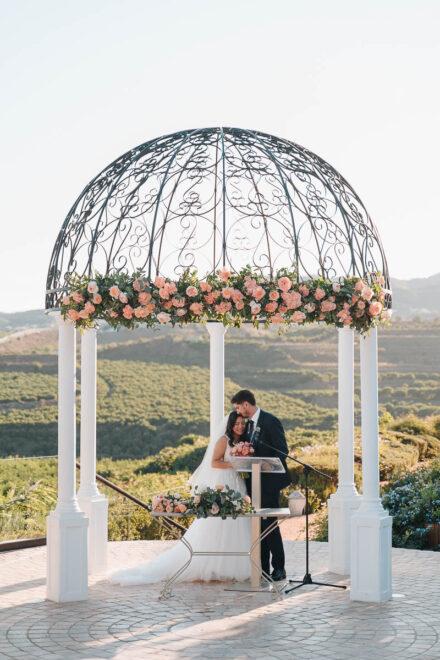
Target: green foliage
(414, 501)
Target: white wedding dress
(204, 534)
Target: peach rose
(258, 293)
(284, 284)
(144, 297)
(227, 292)
(169, 508)
(128, 312)
(83, 314)
(196, 499)
(381, 280)
(78, 297)
(182, 508)
(114, 291)
(282, 309)
(319, 294)
(277, 318)
(348, 320)
(354, 299)
(386, 314)
(250, 285)
(170, 287)
(191, 291)
(273, 295)
(66, 300)
(298, 317)
(215, 509)
(139, 284)
(367, 293)
(113, 314)
(359, 285)
(196, 308)
(163, 317)
(271, 307)
(239, 305)
(224, 275)
(205, 287)
(159, 508)
(255, 307)
(327, 306)
(303, 290)
(159, 282)
(375, 308)
(73, 315)
(292, 299)
(89, 308)
(97, 299)
(181, 312)
(247, 499)
(219, 487)
(236, 296)
(140, 312)
(223, 307)
(163, 293)
(332, 298)
(168, 304)
(361, 304)
(336, 287)
(93, 287)
(310, 307)
(123, 298)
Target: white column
(90, 500)
(217, 373)
(66, 525)
(346, 500)
(371, 524)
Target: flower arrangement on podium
(221, 501)
(242, 449)
(124, 300)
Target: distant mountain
(417, 297)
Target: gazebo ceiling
(214, 197)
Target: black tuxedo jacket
(272, 434)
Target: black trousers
(272, 550)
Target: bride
(205, 534)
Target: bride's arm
(219, 452)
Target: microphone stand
(307, 579)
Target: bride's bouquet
(220, 501)
(242, 449)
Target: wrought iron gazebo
(202, 199)
(216, 197)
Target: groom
(271, 433)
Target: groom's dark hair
(242, 396)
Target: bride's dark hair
(230, 425)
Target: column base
(67, 557)
(371, 528)
(341, 506)
(96, 510)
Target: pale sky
(83, 81)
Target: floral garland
(220, 501)
(230, 298)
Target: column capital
(216, 328)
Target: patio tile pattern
(204, 621)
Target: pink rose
(336, 288)
(178, 302)
(239, 305)
(375, 308)
(83, 314)
(298, 317)
(66, 300)
(163, 293)
(250, 285)
(78, 297)
(163, 317)
(381, 280)
(277, 318)
(168, 304)
(219, 487)
(244, 451)
(247, 499)
(113, 314)
(359, 285)
(271, 307)
(319, 294)
(159, 508)
(282, 309)
(181, 312)
(224, 275)
(292, 299)
(303, 290)
(284, 284)
(191, 291)
(170, 287)
(169, 508)
(139, 284)
(89, 308)
(258, 293)
(310, 307)
(159, 282)
(273, 295)
(114, 291)
(123, 298)
(255, 307)
(73, 315)
(205, 287)
(223, 307)
(215, 509)
(348, 320)
(144, 297)
(97, 299)
(354, 299)
(227, 292)
(182, 508)
(327, 306)
(236, 296)
(196, 308)
(140, 312)
(92, 287)
(367, 293)
(386, 314)
(332, 298)
(196, 499)
(361, 304)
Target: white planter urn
(297, 503)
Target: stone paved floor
(204, 621)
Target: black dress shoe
(278, 574)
